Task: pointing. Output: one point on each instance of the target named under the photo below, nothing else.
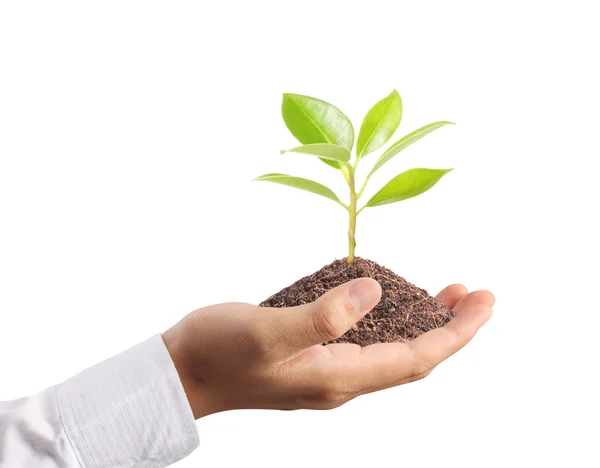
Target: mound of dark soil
(404, 312)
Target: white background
(130, 131)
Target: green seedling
(325, 132)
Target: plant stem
(364, 185)
(352, 218)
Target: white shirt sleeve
(129, 411)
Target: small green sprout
(327, 133)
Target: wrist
(181, 360)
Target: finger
(450, 295)
(380, 366)
(384, 365)
(476, 297)
(325, 319)
(438, 344)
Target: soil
(404, 312)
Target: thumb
(327, 318)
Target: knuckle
(418, 367)
(330, 393)
(329, 405)
(325, 323)
(319, 403)
(256, 338)
(330, 320)
(333, 393)
(453, 338)
(330, 400)
(258, 347)
(420, 376)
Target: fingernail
(364, 295)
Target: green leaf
(407, 185)
(379, 124)
(311, 120)
(406, 141)
(323, 150)
(329, 162)
(302, 184)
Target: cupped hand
(237, 356)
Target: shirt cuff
(128, 411)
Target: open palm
(353, 370)
(235, 356)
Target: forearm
(32, 433)
(126, 410)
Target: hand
(235, 356)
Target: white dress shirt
(129, 411)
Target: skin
(238, 356)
